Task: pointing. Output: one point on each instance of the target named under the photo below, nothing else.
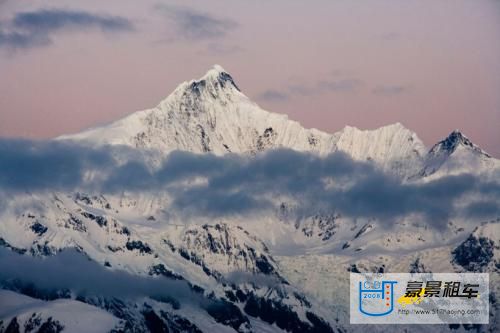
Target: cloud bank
(213, 186)
(64, 272)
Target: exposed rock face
(480, 250)
(221, 249)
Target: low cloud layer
(36, 28)
(64, 272)
(261, 280)
(213, 186)
(33, 166)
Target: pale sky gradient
(433, 65)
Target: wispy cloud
(389, 36)
(329, 85)
(36, 28)
(326, 86)
(52, 20)
(340, 85)
(390, 90)
(273, 96)
(16, 40)
(192, 24)
(217, 48)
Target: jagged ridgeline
(128, 261)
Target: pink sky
(432, 65)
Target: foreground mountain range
(242, 240)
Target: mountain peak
(215, 71)
(457, 154)
(458, 135)
(216, 86)
(217, 76)
(454, 140)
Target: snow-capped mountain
(208, 115)
(211, 114)
(230, 273)
(457, 154)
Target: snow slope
(31, 315)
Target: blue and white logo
(376, 298)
